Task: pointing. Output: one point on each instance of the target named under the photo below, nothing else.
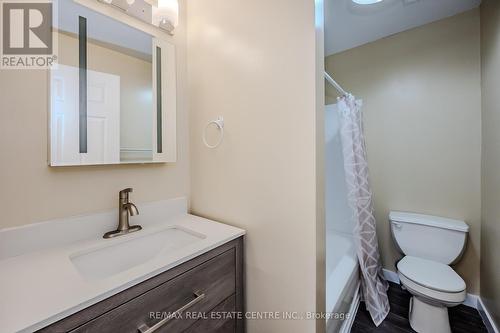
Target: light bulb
(168, 11)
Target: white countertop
(39, 285)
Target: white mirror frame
(168, 82)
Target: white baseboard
(487, 318)
(470, 300)
(353, 310)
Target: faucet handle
(124, 193)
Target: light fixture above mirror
(166, 14)
(161, 13)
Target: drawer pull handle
(145, 329)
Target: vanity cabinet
(207, 292)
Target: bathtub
(342, 281)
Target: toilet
(430, 244)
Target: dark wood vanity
(206, 293)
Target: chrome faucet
(125, 209)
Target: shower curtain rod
(335, 84)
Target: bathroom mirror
(112, 94)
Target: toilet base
(427, 318)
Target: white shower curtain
(373, 285)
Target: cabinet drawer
(214, 279)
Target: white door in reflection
(103, 117)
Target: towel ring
(219, 123)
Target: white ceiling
(348, 25)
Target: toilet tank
(429, 237)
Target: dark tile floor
(463, 319)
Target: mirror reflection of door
(103, 118)
(64, 118)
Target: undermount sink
(110, 260)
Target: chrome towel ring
(219, 123)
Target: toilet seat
(432, 280)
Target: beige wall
(490, 226)
(263, 176)
(31, 191)
(422, 101)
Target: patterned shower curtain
(373, 285)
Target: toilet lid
(431, 274)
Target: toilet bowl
(430, 244)
(434, 287)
